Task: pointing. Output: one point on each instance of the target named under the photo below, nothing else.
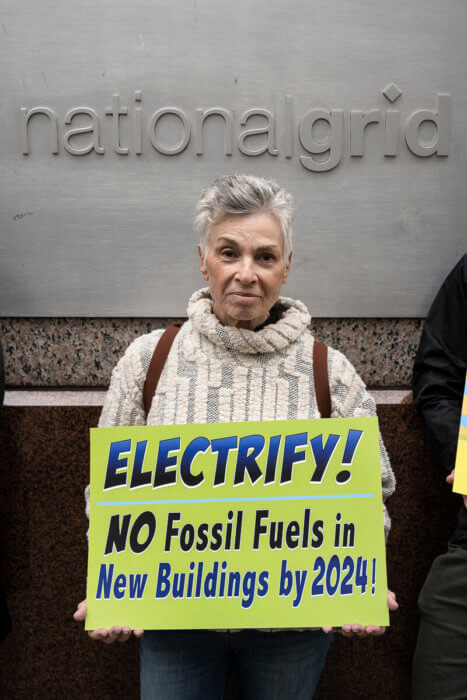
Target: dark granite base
(44, 550)
(43, 556)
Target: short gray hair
(244, 194)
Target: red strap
(320, 373)
(157, 363)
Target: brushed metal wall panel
(109, 233)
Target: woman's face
(245, 268)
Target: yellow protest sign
(237, 525)
(460, 476)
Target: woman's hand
(357, 630)
(450, 480)
(114, 634)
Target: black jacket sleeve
(440, 365)
(2, 379)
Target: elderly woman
(244, 354)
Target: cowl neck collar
(273, 337)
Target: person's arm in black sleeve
(2, 379)
(440, 365)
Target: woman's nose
(246, 271)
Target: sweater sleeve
(350, 398)
(123, 403)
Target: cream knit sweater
(217, 373)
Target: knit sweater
(217, 373)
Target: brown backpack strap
(320, 373)
(157, 363)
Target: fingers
(357, 630)
(374, 631)
(80, 613)
(114, 634)
(392, 602)
(124, 635)
(450, 480)
(327, 630)
(99, 635)
(107, 636)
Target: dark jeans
(194, 665)
(440, 661)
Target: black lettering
(260, 529)
(187, 537)
(117, 534)
(170, 531)
(202, 542)
(216, 540)
(292, 534)
(275, 534)
(318, 535)
(146, 519)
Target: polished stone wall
(81, 352)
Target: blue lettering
(248, 589)
(138, 477)
(286, 580)
(353, 438)
(290, 456)
(115, 464)
(322, 455)
(120, 586)
(104, 583)
(249, 448)
(274, 445)
(300, 578)
(263, 583)
(163, 580)
(137, 586)
(161, 476)
(199, 444)
(222, 446)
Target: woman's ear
(202, 265)
(287, 268)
